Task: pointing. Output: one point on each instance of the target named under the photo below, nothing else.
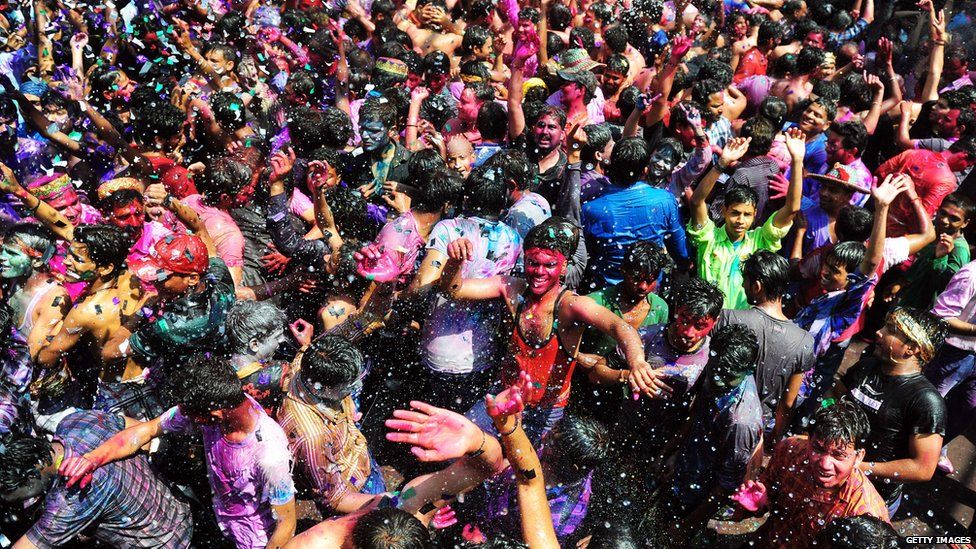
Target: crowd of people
(457, 273)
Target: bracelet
(412, 125)
(719, 166)
(167, 200)
(518, 423)
(481, 449)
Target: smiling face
(14, 261)
(547, 133)
(662, 163)
(526, 29)
(833, 276)
(831, 462)
(375, 135)
(814, 120)
(68, 204)
(686, 331)
(543, 269)
(78, 265)
(611, 81)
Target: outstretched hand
(435, 434)
(281, 163)
(796, 143)
(736, 148)
(893, 185)
(511, 401)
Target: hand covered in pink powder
(511, 401)
(373, 263)
(751, 496)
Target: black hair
(437, 62)
(847, 254)
(770, 270)
(857, 532)
(228, 52)
(478, 69)
(23, 459)
(102, 79)
(438, 110)
(615, 536)
(530, 14)
(628, 161)
(809, 59)
(582, 37)
(790, 7)
(121, 197)
(602, 11)
(232, 25)
(482, 91)
(208, 383)
(302, 83)
(379, 111)
(423, 164)
(960, 98)
(697, 297)
(853, 223)
(616, 38)
(853, 134)
(628, 100)
(337, 128)
(33, 235)
(8, 109)
(843, 423)
(733, 349)
(555, 233)
(773, 109)
(560, 17)
(597, 137)
(826, 90)
(349, 210)
(741, 195)
(783, 65)
(962, 202)
(475, 36)
(703, 89)
(497, 541)
(485, 192)
(444, 187)
(162, 120)
(618, 63)
(514, 166)
(328, 155)
(331, 361)
(224, 177)
(967, 145)
(492, 121)
(645, 260)
(555, 44)
(578, 445)
(390, 528)
(107, 245)
(762, 133)
(550, 110)
(716, 70)
(228, 110)
(769, 32)
(854, 92)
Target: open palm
(436, 434)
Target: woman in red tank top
(549, 320)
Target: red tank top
(550, 364)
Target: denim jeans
(536, 421)
(953, 372)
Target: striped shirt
(331, 456)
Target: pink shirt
(223, 230)
(246, 477)
(152, 232)
(401, 244)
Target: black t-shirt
(898, 408)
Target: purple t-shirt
(246, 477)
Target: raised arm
(796, 144)
(926, 234)
(735, 149)
(883, 195)
(157, 194)
(516, 118)
(937, 36)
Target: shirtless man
(429, 26)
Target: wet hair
(121, 197)
(438, 109)
(529, 14)
(437, 62)
(302, 83)
(857, 532)
(602, 11)
(597, 137)
(329, 155)
(762, 132)
(228, 52)
(628, 100)
(443, 187)
(23, 459)
(492, 121)
(305, 127)
(741, 195)
(337, 128)
(485, 192)
(783, 65)
(162, 120)
(349, 210)
(770, 270)
(853, 223)
(853, 134)
(560, 17)
(809, 59)
(826, 89)
(515, 167)
(616, 38)
(102, 79)
(550, 110)
(374, 110)
(848, 255)
(935, 329)
(582, 37)
(843, 423)
(479, 70)
(966, 145)
(628, 161)
(962, 202)
(733, 349)
(703, 89)
(555, 233)
(575, 446)
(249, 319)
(618, 63)
(228, 110)
(36, 237)
(616, 536)
(716, 70)
(206, 384)
(644, 260)
(423, 164)
(769, 32)
(390, 528)
(497, 541)
(107, 245)
(854, 92)
(223, 178)
(475, 36)
(331, 361)
(773, 109)
(698, 298)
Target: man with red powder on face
(549, 324)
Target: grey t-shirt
(784, 349)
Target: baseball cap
(584, 78)
(179, 254)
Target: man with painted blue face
(381, 159)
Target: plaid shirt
(798, 509)
(837, 39)
(125, 504)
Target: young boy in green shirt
(720, 250)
